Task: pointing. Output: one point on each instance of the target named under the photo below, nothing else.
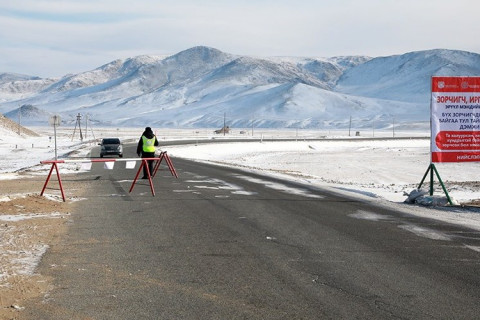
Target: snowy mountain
(198, 86)
(27, 113)
(16, 86)
(407, 77)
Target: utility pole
(19, 118)
(79, 127)
(253, 119)
(393, 128)
(350, 126)
(91, 128)
(86, 125)
(224, 123)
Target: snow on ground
(377, 170)
(371, 170)
(380, 168)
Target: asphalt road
(218, 243)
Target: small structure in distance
(225, 129)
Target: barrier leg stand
(165, 156)
(48, 179)
(170, 166)
(54, 165)
(149, 178)
(159, 161)
(162, 155)
(136, 176)
(155, 168)
(157, 164)
(144, 163)
(60, 182)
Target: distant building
(225, 129)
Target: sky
(52, 38)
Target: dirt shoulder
(29, 225)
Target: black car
(111, 146)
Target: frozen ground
(379, 170)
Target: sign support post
(55, 122)
(432, 169)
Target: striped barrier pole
(163, 155)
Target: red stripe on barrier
(52, 161)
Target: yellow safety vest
(148, 144)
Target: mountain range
(203, 87)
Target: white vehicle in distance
(111, 146)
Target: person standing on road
(146, 149)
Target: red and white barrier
(109, 165)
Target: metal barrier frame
(151, 175)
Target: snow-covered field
(372, 170)
(379, 170)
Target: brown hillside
(14, 127)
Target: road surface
(220, 243)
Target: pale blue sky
(50, 38)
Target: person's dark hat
(148, 129)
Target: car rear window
(111, 141)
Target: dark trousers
(149, 163)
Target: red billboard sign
(455, 112)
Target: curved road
(219, 243)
